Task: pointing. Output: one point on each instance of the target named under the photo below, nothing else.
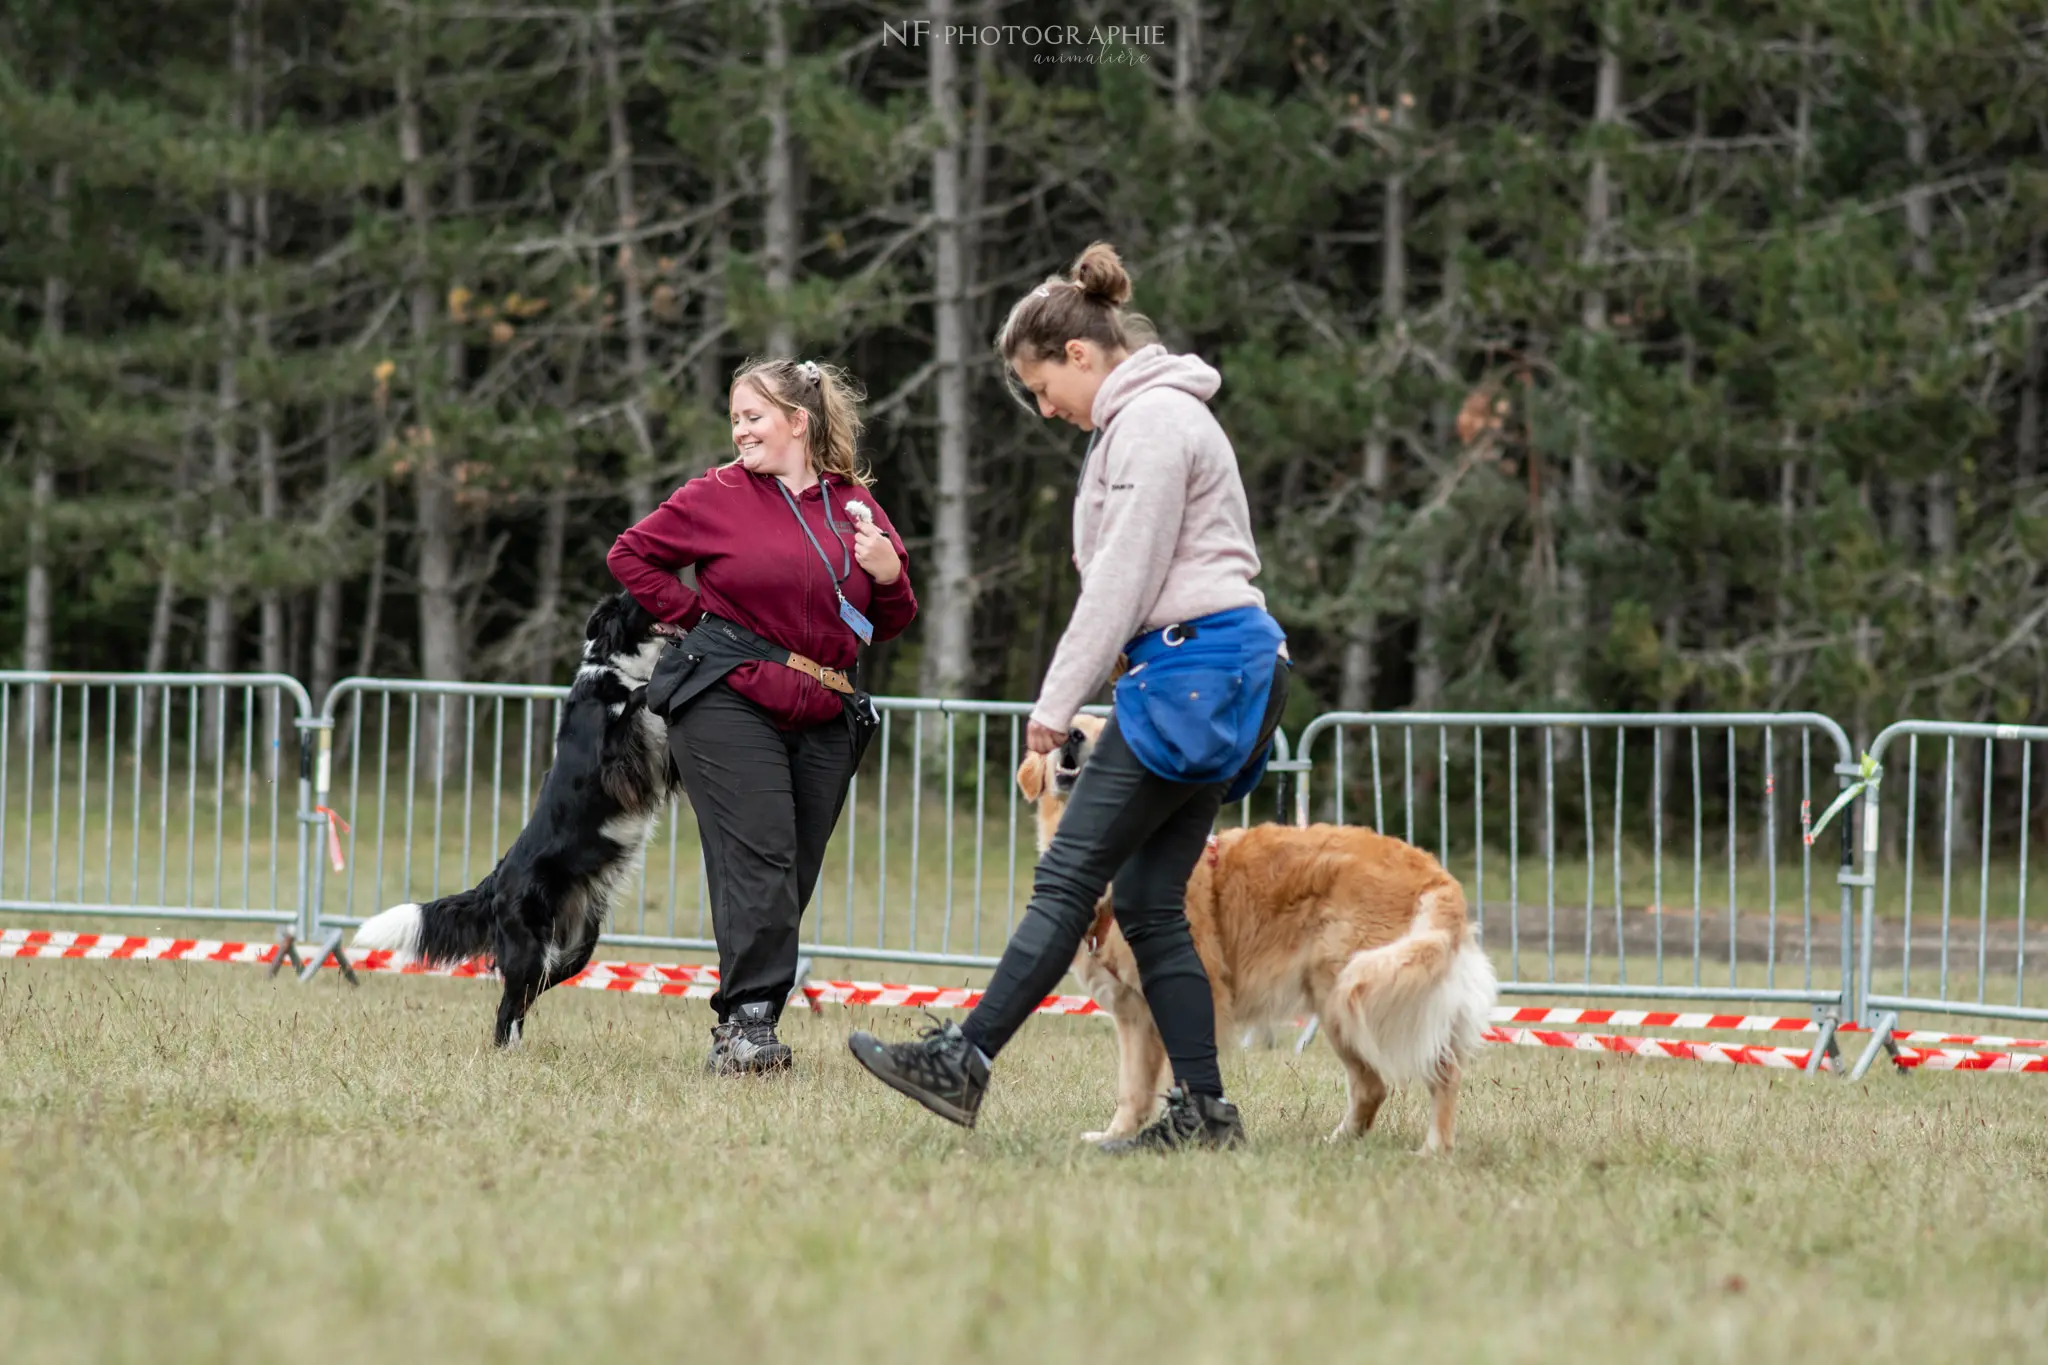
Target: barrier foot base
(1827, 1048)
(1881, 1038)
(330, 949)
(287, 947)
(1308, 1035)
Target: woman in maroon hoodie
(795, 558)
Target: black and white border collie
(539, 912)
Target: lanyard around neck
(845, 555)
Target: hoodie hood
(1152, 367)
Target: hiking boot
(941, 1070)
(1189, 1121)
(746, 1043)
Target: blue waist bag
(1192, 705)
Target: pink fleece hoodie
(1162, 531)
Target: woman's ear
(800, 423)
(1031, 777)
(1077, 352)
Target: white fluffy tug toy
(860, 511)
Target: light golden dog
(1368, 933)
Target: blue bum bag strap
(1153, 643)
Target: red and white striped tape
(1955, 1059)
(99, 947)
(684, 979)
(1744, 1023)
(1940, 1039)
(1721, 1023)
(697, 981)
(1735, 1054)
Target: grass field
(198, 1164)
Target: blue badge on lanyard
(860, 625)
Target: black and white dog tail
(441, 933)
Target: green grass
(199, 1164)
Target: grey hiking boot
(746, 1043)
(1189, 1121)
(941, 1070)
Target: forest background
(1625, 356)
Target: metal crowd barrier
(931, 863)
(153, 795)
(1950, 936)
(1646, 857)
(1606, 857)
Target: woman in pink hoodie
(797, 566)
(1163, 539)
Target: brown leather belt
(830, 677)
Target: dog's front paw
(1116, 1131)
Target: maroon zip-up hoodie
(755, 566)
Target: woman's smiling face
(766, 438)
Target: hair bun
(1099, 273)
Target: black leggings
(766, 802)
(1147, 833)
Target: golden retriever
(1367, 932)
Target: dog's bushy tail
(1413, 1007)
(441, 933)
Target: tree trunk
(1866, 634)
(269, 493)
(1901, 498)
(326, 649)
(162, 614)
(1048, 604)
(713, 320)
(220, 597)
(547, 605)
(1668, 699)
(1939, 499)
(440, 614)
(1585, 478)
(373, 593)
(948, 644)
(641, 495)
(1182, 235)
(1788, 435)
(981, 306)
(38, 605)
(1355, 681)
(779, 229)
(1429, 663)
(2029, 453)
(1187, 108)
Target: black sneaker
(1189, 1121)
(941, 1071)
(746, 1043)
